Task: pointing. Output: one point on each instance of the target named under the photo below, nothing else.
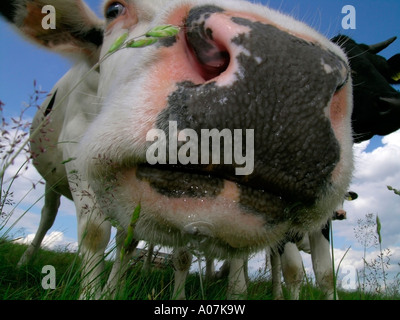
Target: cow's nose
(340, 214)
(257, 76)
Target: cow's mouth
(182, 204)
(188, 182)
(180, 182)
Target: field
(26, 283)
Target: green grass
(25, 283)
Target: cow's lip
(201, 171)
(155, 175)
(186, 187)
(231, 214)
(205, 206)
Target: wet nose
(258, 76)
(340, 214)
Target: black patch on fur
(94, 36)
(289, 238)
(326, 231)
(167, 42)
(197, 13)
(51, 104)
(8, 10)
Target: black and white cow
(286, 258)
(231, 67)
(376, 108)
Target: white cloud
(382, 164)
(27, 196)
(19, 222)
(23, 179)
(374, 172)
(52, 241)
(354, 260)
(392, 139)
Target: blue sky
(21, 63)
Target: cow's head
(376, 104)
(279, 90)
(340, 213)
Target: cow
(286, 258)
(376, 108)
(232, 68)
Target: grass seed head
(163, 31)
(378, 228)
(118, 43)
(130, 235)
(140, 43)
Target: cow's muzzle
(258, 77)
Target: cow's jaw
(253, 75)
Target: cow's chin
(180, 208)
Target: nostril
(212, 67)
(208, 57)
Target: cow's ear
(350, 195)
(65, 26)
(394, 66)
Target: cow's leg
(276, 272)
(94, 232)
(268, 266)
(149, 258)
(322, 261)
(210, 269)
(117, 276)
(93, 235)
(223, 272)
(48, 215)
(237, 287)
(292, 268)
(246, 270)
(182, 260)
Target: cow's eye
(114, 10)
